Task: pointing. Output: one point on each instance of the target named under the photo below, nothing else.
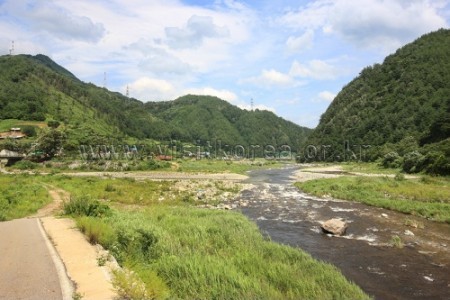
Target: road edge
(67, 285)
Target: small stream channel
(421, 269)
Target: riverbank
(428, 197)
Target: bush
(26, 165)
(413, 162)
(85, 206)
(391, 160)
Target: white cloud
(272, 78)
(315, 69)
(151, 89)
(326, 96)
(44, 16)
(197, 29)
(209, 91)
(300, 43)
(369, 23)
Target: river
(365, 255)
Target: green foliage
(53, 124)
(401, 103)
(96, 230)
(26, 165)
(29, 130)
(21, 195)
(85, 206)
(205, 254)
(36, 88)
(50, 142)
(391, 160)
(426, 198)
(396, 241)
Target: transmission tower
(11, 51)
(128, 91)
(251, 104)
(104, 80)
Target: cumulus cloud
(315, 69)
(326, 96)
(197, 29)
(272, 78)
(369, 23)
(151, 89)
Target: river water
(365, 255)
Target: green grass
(221, 166)
(6, 125)
(206, 254)
(179, 251)
(21, 195)
(367, 167)
(118, 190)
(427, 197)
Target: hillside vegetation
(400, 107)
(35, 88)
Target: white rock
(409, 232)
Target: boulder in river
(334, 226)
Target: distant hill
(406, 99)
(207, 118)
(36, 88)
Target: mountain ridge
(37, 88)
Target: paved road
(27, 269)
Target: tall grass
(427, 197)
(205, 254)
(21, 195)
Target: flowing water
(365, 255)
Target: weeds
(85, 206)
(396, 241)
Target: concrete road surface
(28, 264)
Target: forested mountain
(406, 99)
(36, 88)
(207, 118)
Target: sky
(291, 57)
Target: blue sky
(290, 57)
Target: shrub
(85, 206)
(391, 160)
(26, 165)
(413, 162)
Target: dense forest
(36, 88)
(399, 109)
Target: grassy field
(183, 252)
(20, 196)
(428, 197)
(176, 250)
(368, 168)
(173, 249)
(6, 125)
